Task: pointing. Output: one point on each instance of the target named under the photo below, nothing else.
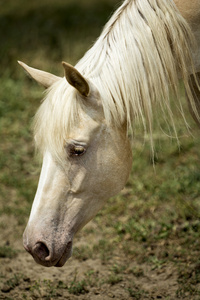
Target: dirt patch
(99, 277)
(21, 276)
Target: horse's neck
(190, 10)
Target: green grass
(136, 293)
(77, 287)
(154, 221)
(7, 252)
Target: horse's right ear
(76, 80)
(44, 78)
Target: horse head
(85, 161)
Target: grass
(7, 252)
(11, 283)
(152, 226)
(135, 293)
(77, 287)
(82, 253)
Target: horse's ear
(44, 78)
(76, 79)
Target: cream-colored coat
(87, 155)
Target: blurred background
(145, 242)
(44, 31)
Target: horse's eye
(77, 150)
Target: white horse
(81, 126)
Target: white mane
(142, 52)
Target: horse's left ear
(75, 79)
(44, 78)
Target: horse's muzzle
(47, 255)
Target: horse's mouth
(66, 255)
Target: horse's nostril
(41, 251)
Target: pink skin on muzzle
(42, 255)
(46, 252)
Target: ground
(96, 272)
(145, 242)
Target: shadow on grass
(28, 27)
